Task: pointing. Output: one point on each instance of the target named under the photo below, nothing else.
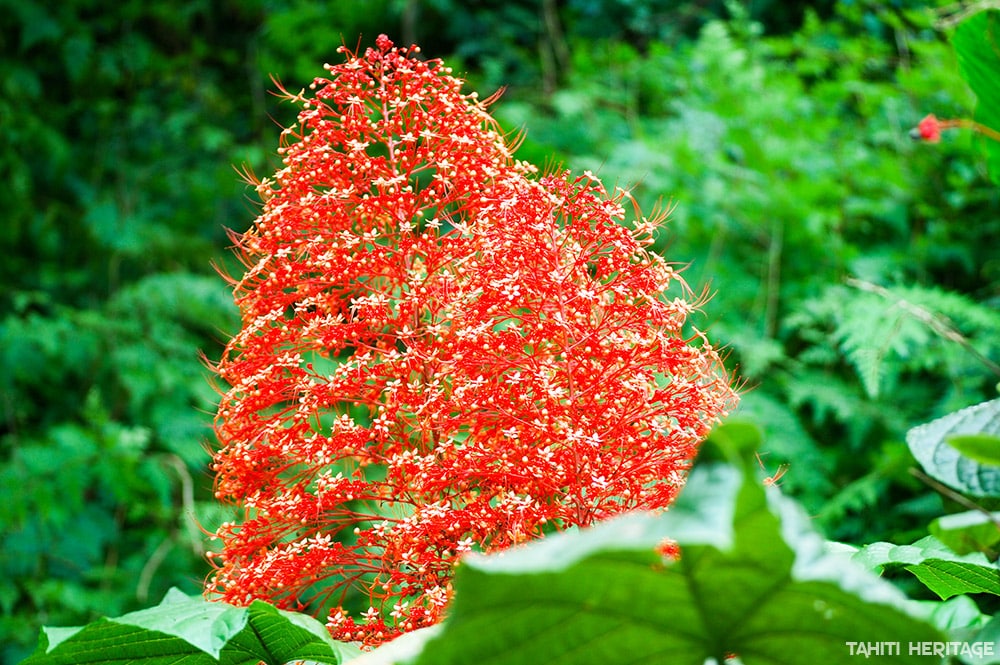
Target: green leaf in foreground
(734, 441)
(989, 634)
(185, 630)
(942, 571)
(959, 616)
(929, 444)
(983, 448)
(752, 580)
(971, 531)
(977, 43)
(976, 633)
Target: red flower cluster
(441, 351)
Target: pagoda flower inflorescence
(442, 351)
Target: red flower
(441, 351)
(929, 129)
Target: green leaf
(988, 635)
(184, 630)
(983, 448)
(753, 579)
(977, 43)
(942, 571)
(976, 633)
(929, 444)
(971, 531)
(959, 616)
(735, 440)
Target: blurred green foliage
(854, 273)
(120, 125)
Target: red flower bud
(928, 130)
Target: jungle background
(854, 273)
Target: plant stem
(949, 493)
(933, 321)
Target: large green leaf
(185, 630)
(942, 571)
(977, 43)
(929, 444)
(753, 579)
(970, 531)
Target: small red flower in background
(929, 129)
(441, 351)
